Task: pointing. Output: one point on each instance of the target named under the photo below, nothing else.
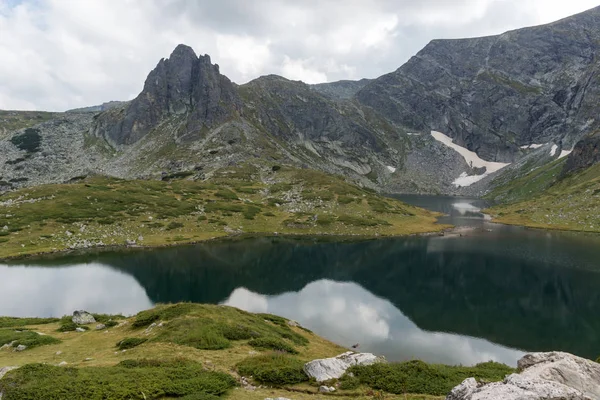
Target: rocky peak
(183, 84)
(497, 93)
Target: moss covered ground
(172, 355)
(100, 211)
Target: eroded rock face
(183, 84)
(585, 154)
(83, 318)
(544, 376)
(335, 367)
(497, 93)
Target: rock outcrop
(333, 368)
(182, 85)
(585, 154)
(83, 318)
(543, 376)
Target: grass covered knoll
(101, 211)
(165, 357)
(571, 203)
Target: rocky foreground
(202, 352)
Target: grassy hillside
(100, 211)
(13, 120)
(572, 203)
(191, 351)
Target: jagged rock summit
(183, 84)
(543, 376)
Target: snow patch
(471, 158)
(564, 153)
(391, 169)
(553, 150)
(412, 134)
(533, 146)
(467, 180)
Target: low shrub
(271, 343)
(275, 369)
(194, 332)
(8, 322)
(418, 377)
(226, 194)
(349, 382)
(174, 225)
(111, 323)
(143, 379)
(26, 338)
(251, 211)
(238, 332)
(130, 343)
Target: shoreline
(241, 236)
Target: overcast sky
(61, 54)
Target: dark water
(490, 294)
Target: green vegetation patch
(29, 141)
(130, 343)
(418, 377)
(209, 327)
(139, 379)
(26, 338)
(70, 326)
(271, 343)
(274, 368)
(9, 322)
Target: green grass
(26, 338)
(15, 120)
(271, 343)
(274, 369)
(570, 203)
(141, 379)
(9, 322)
(112, 212)
(207, 329)
(417, 377)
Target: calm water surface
(489, 295)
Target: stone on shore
(543, 376)
(333, 368)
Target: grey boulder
(83, 318)
(543, 376)
(335, 367)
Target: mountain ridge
(503, 97)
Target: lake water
(490, 294)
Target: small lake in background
(491, 294)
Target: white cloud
(301, 70)
(59, 54)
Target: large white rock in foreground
(543, 376)
(334, 368)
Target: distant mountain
(526, 97)
(100, 108)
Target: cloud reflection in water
(346, 313)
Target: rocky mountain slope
(495, 94)
(512, 98)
